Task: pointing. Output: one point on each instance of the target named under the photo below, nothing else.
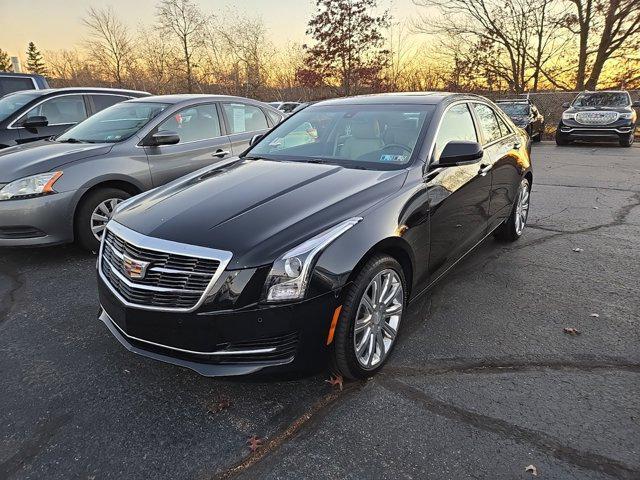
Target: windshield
(9, 104)
(602, 99)
(379, 137)
(514, 109)
(114, 124)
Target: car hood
(43, 156)
(573, 109)
(257, 209)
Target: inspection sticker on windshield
(393, 158)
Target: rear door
(458, 196)
(62, 112)
(202, 142)
(499, 143)
(243, 121)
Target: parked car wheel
(538, 137)
(93, 214)
(511, 230)
(370, 319)
(562, 140)
(628, 140)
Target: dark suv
(605, 115)
(14, 82)
(31, 115)
(525, 115)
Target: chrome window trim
(166, 246)
(193, 352)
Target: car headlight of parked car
(289, 276)
(628, 116)
(568, 116)
(28, 187)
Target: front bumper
(574, 130)
(272, 338)
(44, 220)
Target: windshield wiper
(71, 140)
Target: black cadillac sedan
(309, 247)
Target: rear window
(100, 102)
(15, 84)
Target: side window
(14, 84)
(488, 122)
(63, 110)
(457, 124)
(504, 128)
(193, 123)
(244, 118)
(275, 118)
(100, 102)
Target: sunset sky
(56, 24)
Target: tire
(345, 360)
(538, 137)
(627, 141)
(511, 230)
(561, 141)
(83, 226)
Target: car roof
(189, 97)
(514, 100)
(19, 74)
(409, 98)
(51, 91)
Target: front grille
(596, 118)
(171, 281)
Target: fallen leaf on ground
(254, 442)
(532, 469)
(571, 331)
(595, 208)
(335, 381)
(595, 315)
(220, 405)
(578, 249)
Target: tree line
(355, 47)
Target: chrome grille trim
(597, 117)
(161, 247)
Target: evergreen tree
(5, 62)
(35, 63)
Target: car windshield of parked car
(9, 104)
(381, 137)
(602, 99)
(515, 109)
(114, 124)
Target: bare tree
(606, 29)
(186, 22)
(109, 42)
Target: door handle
(517, 144)
(484, 169)
(220, 153)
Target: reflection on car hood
(43, 156)
(257, 209)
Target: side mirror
(636, 104)
(566, 105)
(163, 138)
(255, 139)
(35, 122)
(460, 152)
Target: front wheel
(370, 319)
(93, 214)
(561, 140)
(628, 140)
(511, 230)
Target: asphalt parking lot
(484, 382)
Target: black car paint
(533, 123)
(15, 135)
(428, 218)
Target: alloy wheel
(101, 215)
(378, 318)
(522, 208)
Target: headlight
(33, 186)
(568, 116)
(289, 276)
(628, 116)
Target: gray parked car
(64, 189)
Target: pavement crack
(304, 420)
(538, 439)
(488, 366)
(615, 189)
(33, 446)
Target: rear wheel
(511, 230)
(538, 137)
(93, 214)
(370, 319)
